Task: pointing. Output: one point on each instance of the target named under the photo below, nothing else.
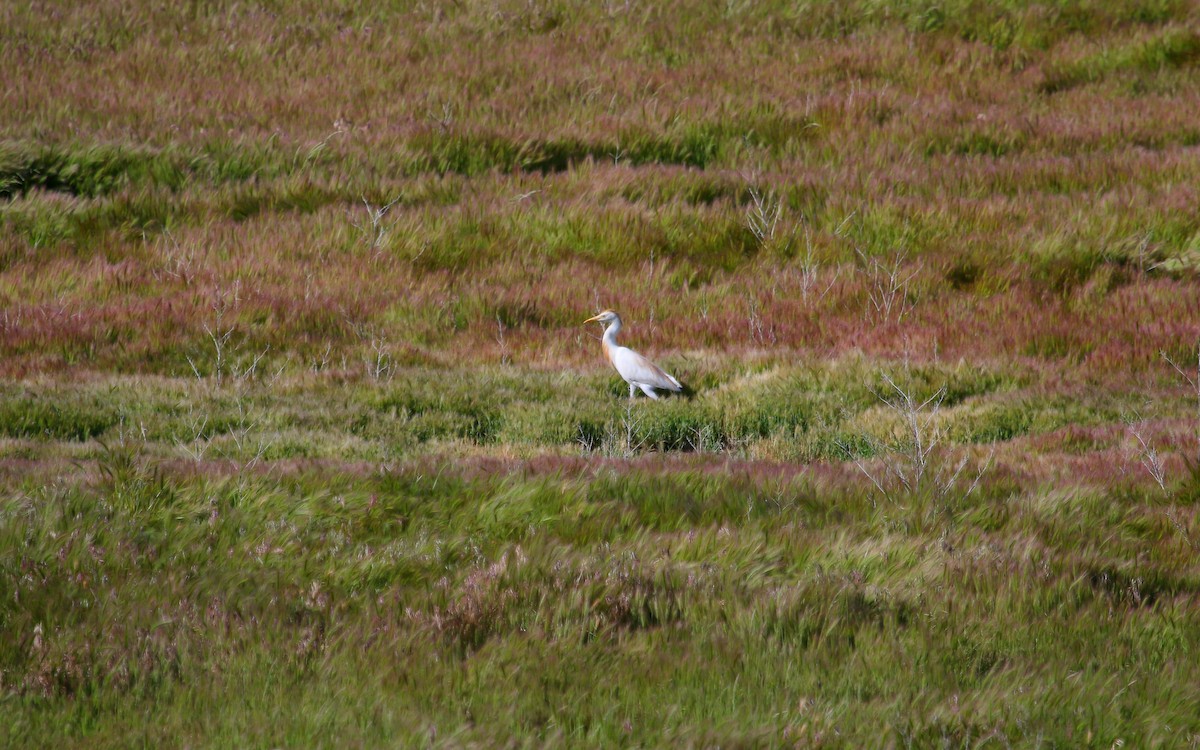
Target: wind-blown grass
(281, 467)
(686, 584)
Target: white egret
(635, 369)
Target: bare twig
(199, 443)
(1193, 381)
(380, 367)
(810, 271)
(887, 287)
(979, 474)
(921, 431)
(623, 439)
(374, 230)
(585, 440)
(704, 440)
(763, 216)
(220, 331)
(445, 118)
(862, 467)
(321, 363)
(177, 260)
(240, 433)
(504, 358)
(759, 331)
(1182, 529)
(915, 462)
(1149, 456)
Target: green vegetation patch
(1172, 49)
(302, 442)
(55, 415)
(417, 591)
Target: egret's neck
(610, 333)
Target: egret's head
(607, 316)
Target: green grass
(303, 442)
(656, 607)
(217, 541)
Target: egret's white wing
(635, 368)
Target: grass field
(303, 443)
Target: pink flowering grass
(303, 440)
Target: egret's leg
(649, 392)
(632, 391)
